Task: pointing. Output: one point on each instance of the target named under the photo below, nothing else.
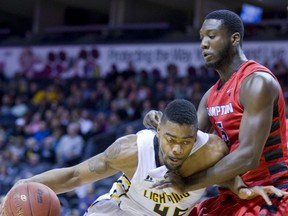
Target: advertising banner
(81, 59)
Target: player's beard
(223, 57)
(171, 167)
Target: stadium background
(75, 75)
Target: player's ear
(235, 39)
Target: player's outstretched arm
(202, 159)
(120, 156)
(262, 91)
(173, 179)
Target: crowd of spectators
(54, 122)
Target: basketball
(31, 199)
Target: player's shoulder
(206, 156)
(210, 144)
(214, 150)
(122, 149)
(264, 78)
(130, 141)
(127, 140)
(259, 85)
(216, 143)
(126, 144)
(146, 132)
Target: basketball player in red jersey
(247, 109)
(287, 129)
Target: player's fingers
(262, 192)
(149, 120)
(273, 190)
(284, 193)
(158, 116)
(158, 184)
(276, 191)
(169, 175)
(146, 122)
(164, 185)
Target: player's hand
(152, 119)
(264, 191)
(171, 179)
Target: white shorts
(106, 207)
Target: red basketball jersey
(225, 113)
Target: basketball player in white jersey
(144, 158)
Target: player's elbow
(220, 146)
(73, 178)
(254, 163)
(249, 160)
(225, 149)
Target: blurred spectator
(19, 109)
(70, 146)
(71, 201)
(129, 130)
(34, 125)
(146, 107)
(32, 147)
(27, 61)
(18, 128)
(2, 142)
(85, 122)
(280, 69)
(91, 68)
(17, 146)
(33, 166)
(6, 180)
(14, 165)
(129, 71)
(6, 105)
(62, 63)
(113, 73)
(48, 153)
(113, 122)
(43, 131)
(90, 197)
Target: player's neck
(158, 153)
(227, 70)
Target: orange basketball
(31, 199)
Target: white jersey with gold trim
(136, 197)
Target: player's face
(215, 43)
(176, 142)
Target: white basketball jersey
(136, 197)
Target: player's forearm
(59, 180)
